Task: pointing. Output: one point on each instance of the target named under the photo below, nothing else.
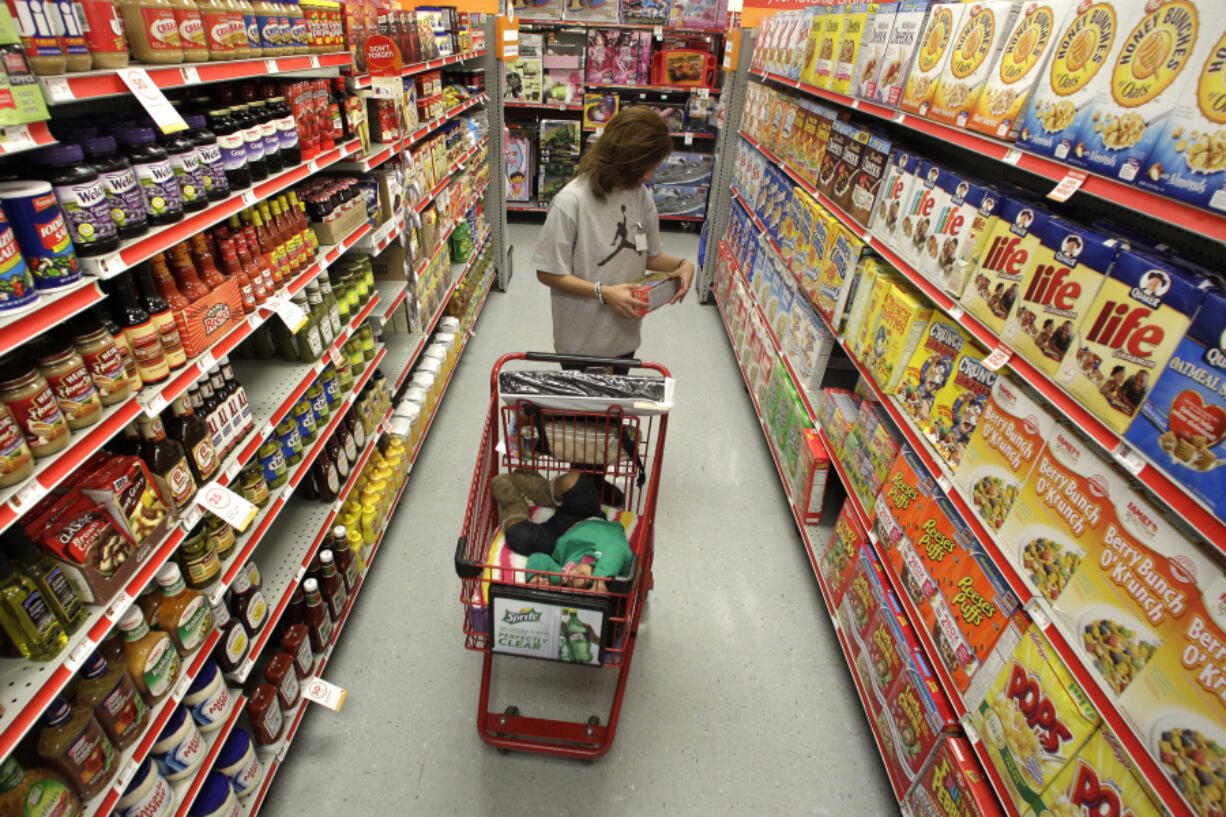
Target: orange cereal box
(931, 56)
(931, 367)
(1009, 250)
(974, 54)
(837, 559)
(1101, 780)
(1142, 311)
(896, 331)
(906, 489)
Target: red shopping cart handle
(587, 360)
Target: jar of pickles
(331, 387)
(353, 351)
(253, 482)
(304, 418)
(272, 466)
(220, 537)
(199, 561)
(290, 441)
(319, 402)
(366, 336)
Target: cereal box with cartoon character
(1181, 426)
(1028, 46)
(931, 367)
(911, 238)
(872, 47)
(1001, 451)
(919, 714)
(953, 784)
(858, 22)
(1056, 290)
(1061, 103)
(931, 56)
(837, 560)
(896, 330)
(899, 53)
(1009, 249)
(843, 251)
(1099, 780)
(1034, 719)
(974, 54)
(959, 405)
(1142, 310)
(894, 198)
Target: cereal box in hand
(858, 21)
(931, 367)
(872, 47)
(1009, 249)
(1182, 424)
(1099, 780)
(896, 330)
(976, 50)
(931, 56)
(1002, 449)
(1028, 47)
(1056, 290)
(959, 405)
(1129, 333)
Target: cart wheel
(592, 721)
(512, 712)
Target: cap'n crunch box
(931, 56)
(872, 47)
(864, 302)
(897, 329)
(1056, 290)
(959, 405)
(931, 367)
(1129, 333)
(859, 19)
(1100, 780)
(976, 49)
(899, 53)
(953, 785)
(1009, 250)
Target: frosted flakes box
(872, 47)
(959, 406)
(1163, 46)
(953, 784)
(1001, 451)
(859, 19)
(1056, 290)
(834, 283)
(976, 50)
(931, 56)
(895, 195)
(899, 53)
(1009, 250)
(1062, 100)
(1142, 310)
(1028, 46)
(1100, 780)
(832, 32)
(954, 208)
(930, 368)
(896, 330)
(1034, 719)
(1182, 424)
(866, 183)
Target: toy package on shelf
(649, 12)
(931, 56)
(709, 14)
(683, 67)
(618, 57)
(521, 157)
(563, 67)
(887, 85)
(975, 52)
(539, 9)
(525, 74)
(598, 109)
(591, 11)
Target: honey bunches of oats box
(1182, 424)
(1142, 310)
(931, 56)
(872, 47)
(858, 22)
(1099, 780)
(1009, 250)
(976, 49)
(931, 367)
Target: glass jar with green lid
(272, 465)
(199, 561)
(220, 536)
(367, 337)
(319, 403)
(331, 387)
(291, 442)
(253, 482)
(357, 360)
(304, 417)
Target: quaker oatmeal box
(866, 184)
(1056, 290)
(897, 329)
(1002, 449)
(959, 405)
(899, 53)
(895, 196)
(952, 784)
(872, 46)
(1099, 780)
(1009, 249)
(1164, 45)
(976, 50)
(1142, 311)
(1061, 102)
(1034, 719)
(1182, 425)
(1028, 47)
(956, 201)
(918, 214)
(955, 276)
(931, 56)
(858, 22)
(931, 366)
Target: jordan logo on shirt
(621, 240)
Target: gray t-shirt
(596, 241)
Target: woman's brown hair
(633, 143)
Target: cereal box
(817, 27)
(895, 196)
(823, 126)
(865, 301)
(798, 43)
(872, 46)
(952, 784)
(955, 276)
(1100, 780)
(1163, 46)
(1129, 333)
(930, 368)
(1182, 424)
(843, 185)
(842, 159)
(907, 488)
(1188, 160)
(832, 32)
(1034, 719)
(896, 330)
(1056, 290)
(1002, 450)
(837, 560)
(899, 53)
(807, 343)
(931, 56)
(1061, 101)
(861, 598)
(859, 20)
(959, 406)
(888, 643)
(1010, 248)
(918, 213)
(919, 714)
(953, 202)
(834, 282)
(1028, 47)
(976, 50)
(866, 184)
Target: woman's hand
(622, 300)
(684, 274)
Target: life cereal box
(1129, 333)
(834, 283)
(899, 52)
(1009, 250)
(1182, 424)
(867, 181)
(895, 195)
(839, 557)
(954, 277)
(1034, 719)
(1188, 160)
(975, 52)
(1100, 780)
(917, 215)
(1163, 45)
(872, 46)
(859, 19)
(1001, 451)
(951, 232)
(1028, 47)
(959, 405)
(931, 367)
(896, 330)
(864, 303)
(1061, 101)
(952, 784)
(817, 27)
(931, 55)
(1056, 290)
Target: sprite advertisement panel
(555, 632)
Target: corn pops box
(1129, 333)
(931, 367)
(931, 56)
(1182, 425)
(959, 406)
(817, 28)
(1001, 451)
(896, 59)
(897, 329)
(953, 784)
(895, 195)
(872, 48)
(1034, 719)
(975, 52)
(834, 283)
(1028, 46)
(1010, 248)
(1100, 780)
(1056, 290)
(858, 21)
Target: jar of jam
(248, 605)
(272, 464)
(26, 392)
(220, 537)
(16, 459)
(199, 561)
(252, 572)
(105, 365)
(65, 372)
(290, 441)
(265, 715)
(280, 673)
(254, 485)
(232, 646)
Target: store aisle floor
(738, 699)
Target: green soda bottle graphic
(578, 638)
(563, 647)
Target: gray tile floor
(738, 700)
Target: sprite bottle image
(563, 647)
(578, 638)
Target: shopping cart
(618, 440)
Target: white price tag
(1012, 156)
(206, 361)
(971, 734)
(900, 117)
(232, 470)
(112, 265)
(155, 405)
(270, 66)
(292, 315)
(704, 93)
(27, 496)
(265, 431)
(956, 311)
(78, 655)
(324, 693)
(151, 98)
(1040, 617)
(999, 357)
(119, 606)
(313, 165)
(248, 197)
(190, 75)
(254, 321)
(226, 505)
(181, 687)
(190, 517)
(944, 484)
(334, 355)
(125, 774)
(314, 62)
(58, 89)
(16, 138)
(1133, 462)
(689, 138)
(387, 87)
(855, 102)
(1069, 185)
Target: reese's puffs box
(906, 489)
(1099, 780)
(837, 559)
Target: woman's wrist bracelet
(599, 294)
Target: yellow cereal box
(843, 251)
(832, 32)
(817, 27)
(931, 367)
(1100, 780)
(1034, 719)
(975, 51)
(1129, 333)
(959, 405)
(896, 330)
(859, 19)
(1028, 46)
(864, 301)
(931, 56)
(1010, 247)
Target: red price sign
(383, 56)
